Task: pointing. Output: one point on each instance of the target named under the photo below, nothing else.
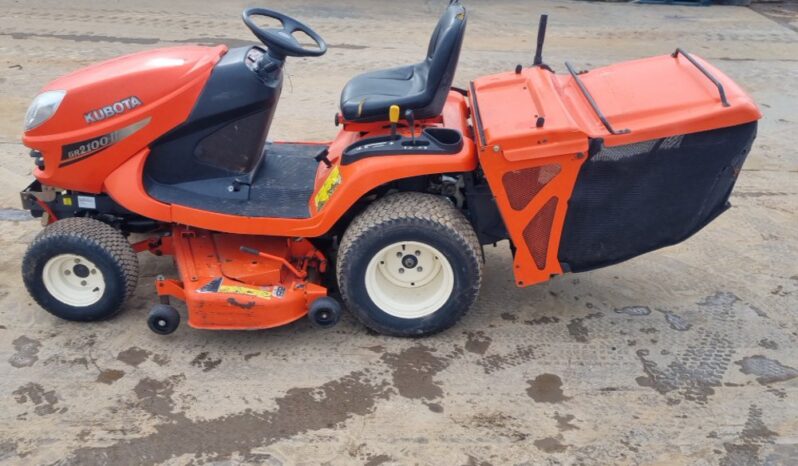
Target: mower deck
(224, 287)
(280, 186)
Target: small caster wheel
(163, 319)
(324, 312)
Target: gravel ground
(683, 356)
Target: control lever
(322, 157)
(282, 260)
(411, 122)
(393, 116)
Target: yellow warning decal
(328, 188)
(66, 200)
(265, 294)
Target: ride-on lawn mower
(578, 170)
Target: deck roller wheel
(324, 312)
(163, 319)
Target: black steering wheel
(281, 42)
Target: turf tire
(412, 217)
(99, 243)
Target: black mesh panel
(635, 198)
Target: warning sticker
(87, 202)
(328, 188)
(265, 292)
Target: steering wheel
(280, 41)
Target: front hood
(97, 93)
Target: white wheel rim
(73, 280)
(409, 279)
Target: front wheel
(410, 265)
(80, 269)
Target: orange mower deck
(224, 287)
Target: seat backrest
(442, 56)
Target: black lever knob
(411, 123)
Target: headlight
(42, 108)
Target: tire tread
(92, 233)
(429, 210)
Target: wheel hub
(80, 270)
(409, 261)
(409, 279)
(73, 280)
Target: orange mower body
(578, 170)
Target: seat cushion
(422, 87)
(367, 97)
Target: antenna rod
(541, 37)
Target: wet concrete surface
(683, 356)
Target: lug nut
(420, 269)
(401, 270)
(67, 272)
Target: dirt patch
(299, 410)
(550, 445)
(133, 356)
(768, 344)
(498, 423)
(676, 321)
(767, 370)
(378, 460)
(8, 449)
(155, 396)
(634, 311)
(477, 342)
(496, 362)
(27, 350)
(577, 329)
(109, 376)
(693, 373)
(546, 388)
(435, 407)
(414, 370)
(755, 434)
(44, 401)
(542, 320)
(564, 422)
(205, 362)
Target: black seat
(422, 87)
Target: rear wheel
(80, 269)
(409, 265)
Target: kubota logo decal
(116, 108)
